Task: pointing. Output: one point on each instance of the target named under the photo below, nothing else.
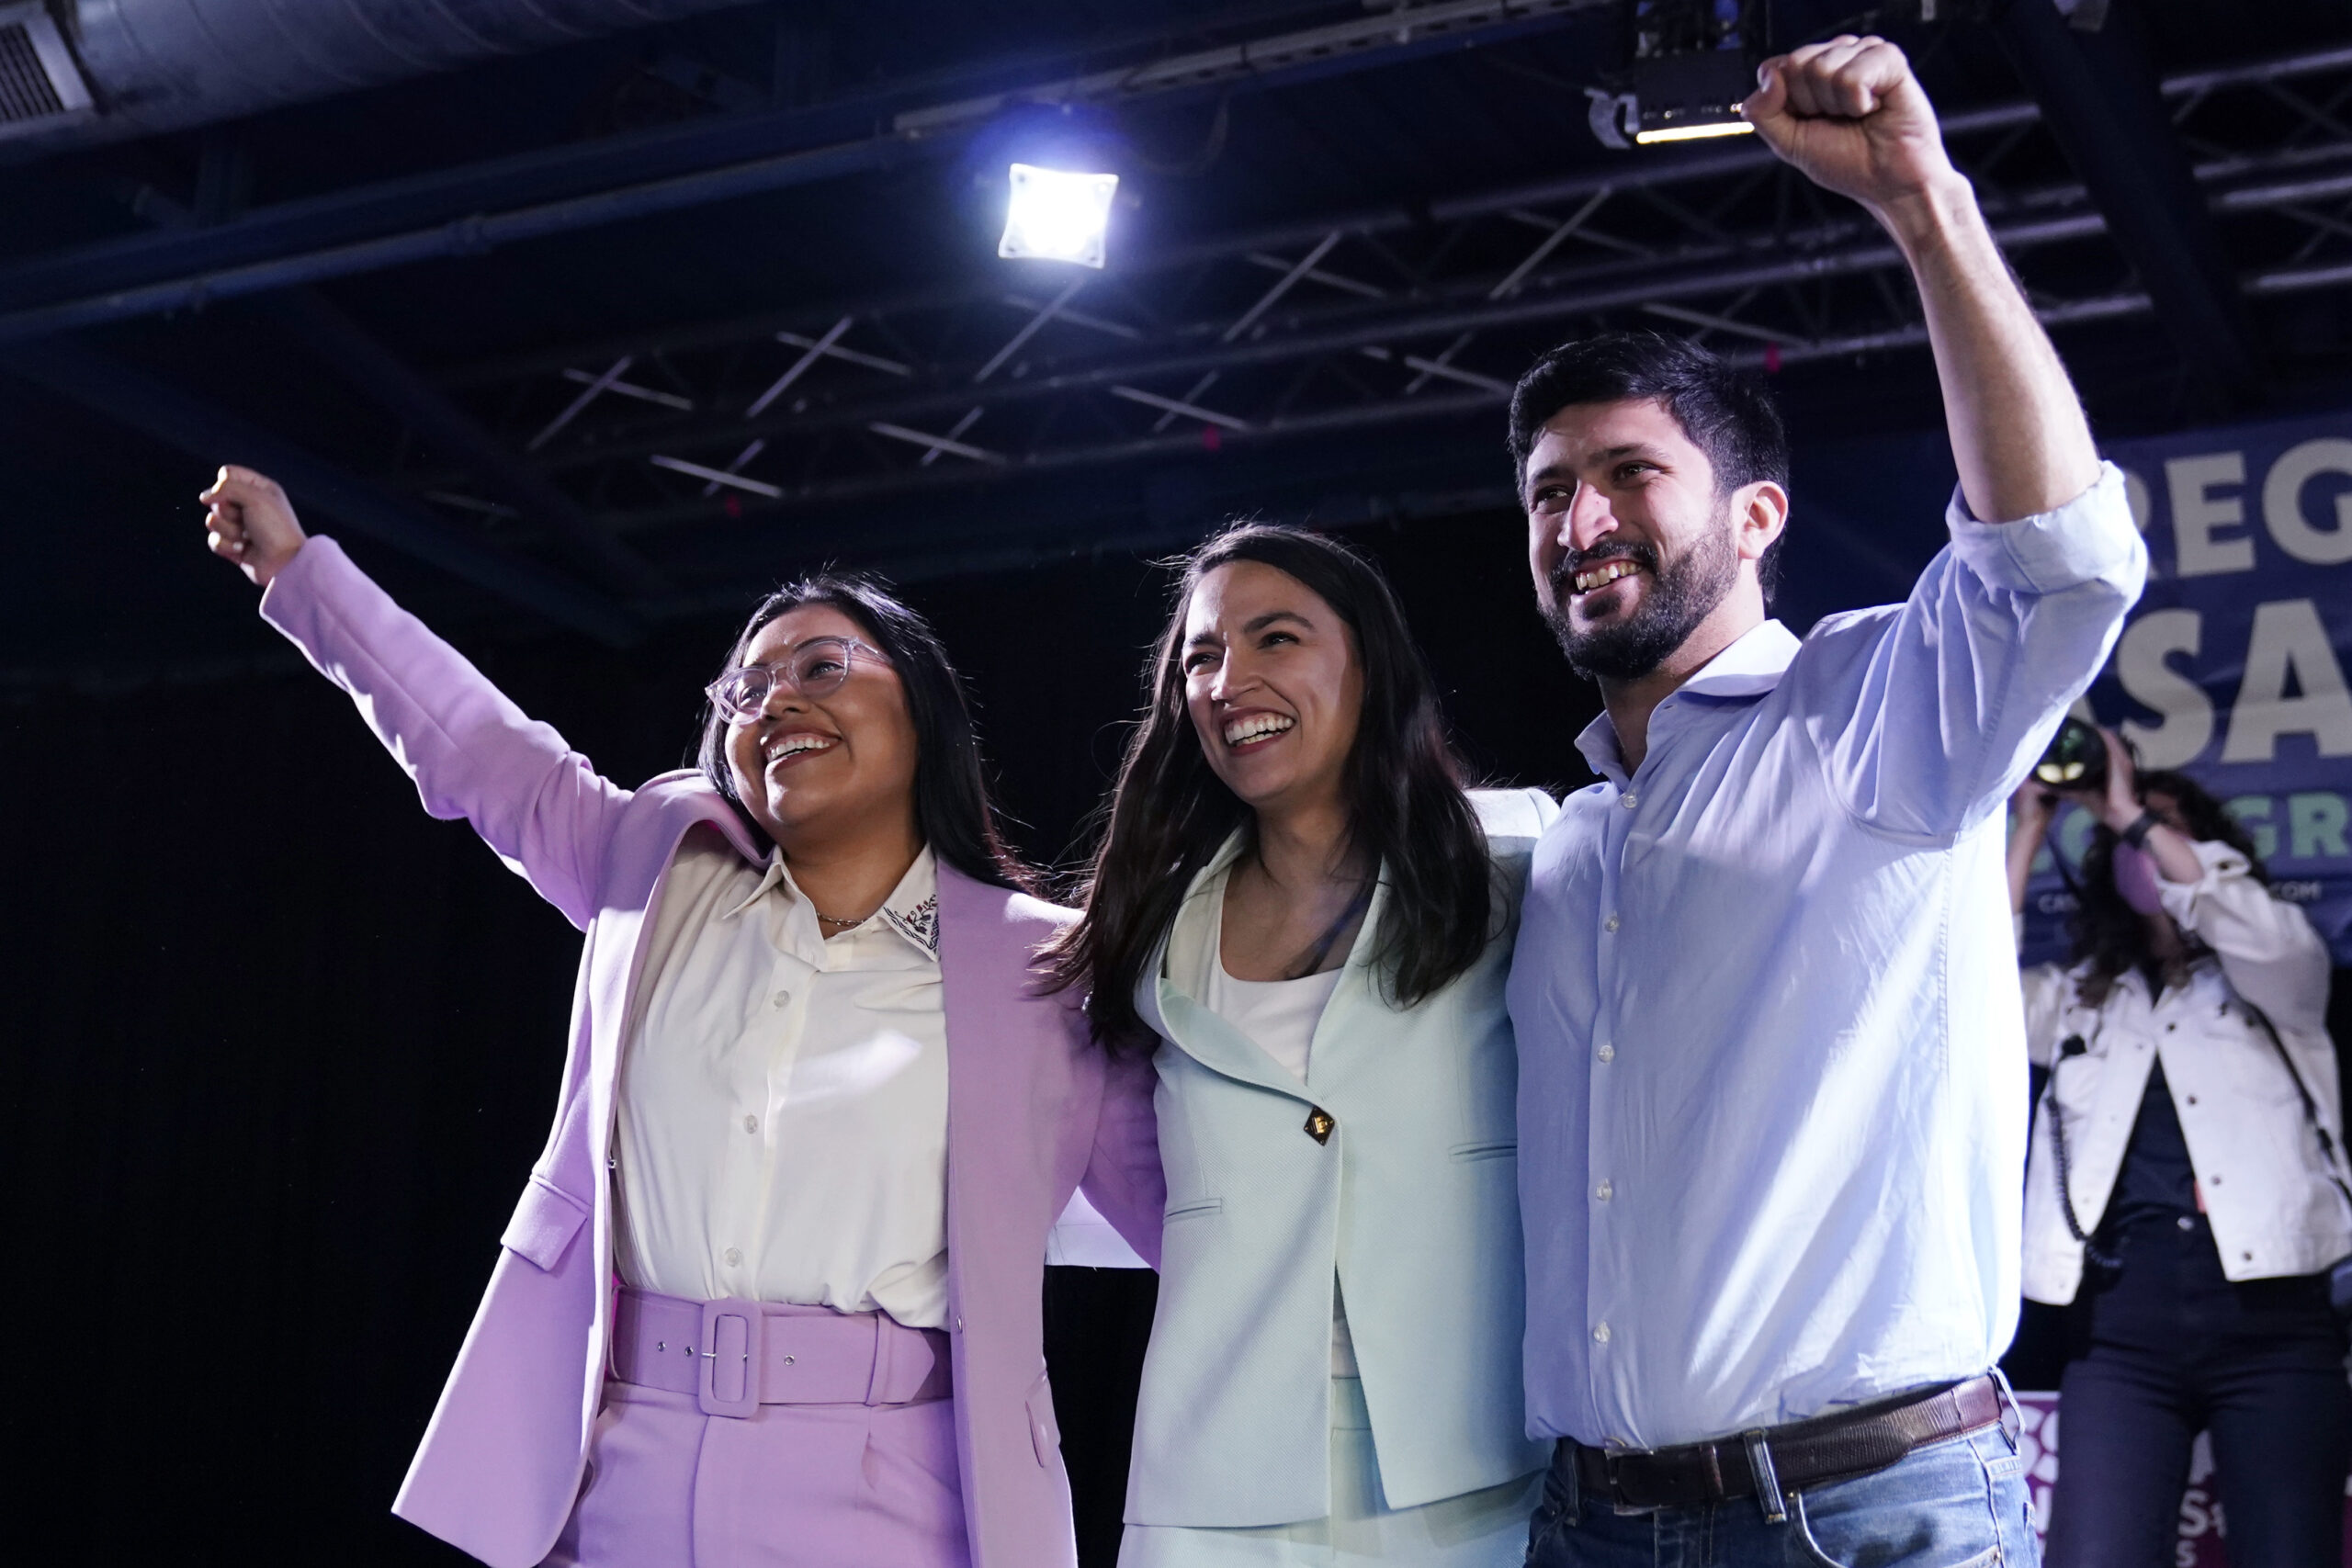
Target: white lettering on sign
(2196, 511)
(2282, 502)
(2142, 664)
(2288, 641)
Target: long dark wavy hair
(2111, 936)
(1170, 812)
(953, 805)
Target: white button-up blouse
(782, 1108)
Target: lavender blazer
(1033, 1110)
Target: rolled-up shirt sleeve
(2268, 948)
(1963, 686)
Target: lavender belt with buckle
(735, 1356)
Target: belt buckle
(728, 1382)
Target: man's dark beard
(1680, 596)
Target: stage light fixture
(1689, 65)
(1057, 216)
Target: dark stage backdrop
(277, 1050)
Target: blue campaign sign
(2232, 666)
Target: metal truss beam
(1825, 251)
(381, 376)
(347, 233)
(2056, 315)
(1638, 173)
(200, 427)
(2099, 97)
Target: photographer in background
(2184, 1196)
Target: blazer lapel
(1178, 975)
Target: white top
(2273, 1203)
(783, 1116)
(1280, 1016)
(1771, 1052)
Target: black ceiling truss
(1365, 320)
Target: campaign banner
(2231, 669)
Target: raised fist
(250, 523)
(1852, 116)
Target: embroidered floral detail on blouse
(919, 925)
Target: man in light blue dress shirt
(1772, 1092)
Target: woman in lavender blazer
(591, 1420)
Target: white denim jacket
(2265, 1186)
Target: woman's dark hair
(2111, 936)
(1170, 813)
(953, 808)
(1726, 412)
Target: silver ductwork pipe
(78, 72)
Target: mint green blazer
(1413, 1206)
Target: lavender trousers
(785, 1485)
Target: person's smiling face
(1630, 544)
(816, 765)
(1272, 684)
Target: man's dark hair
(953, 805)
(1170, 813)
(1726, 412)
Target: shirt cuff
(2090, 537)
(2222, 864)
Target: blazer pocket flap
(544, 1223)
(1193, 1210)
(1491, 1148)
(1045, 1433)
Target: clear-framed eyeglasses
(816, 668)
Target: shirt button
(1609, 1053)
(782, 999)
(1604, 1191)
(751, 1123)
(734, 1257)
(1601, 1334)
(2192, 1100)
(2186, 1224)
(1631, 801)
(2170, 1026)
(1609, 924)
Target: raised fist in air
(250, 523)
(1850, 115)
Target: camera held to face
(2075, 760)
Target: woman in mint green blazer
(1303, 915)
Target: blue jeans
(1957, 1503)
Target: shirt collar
(1751, 667)
(911, 909)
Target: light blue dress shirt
(1772, 1074)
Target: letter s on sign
(2282, 501)
(2142, 664)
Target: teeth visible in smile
(792, 745)
(1256, 724)
(1607, 572)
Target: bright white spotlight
(1057, 216)
(1696, 131)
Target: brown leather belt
(1790, 1458)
